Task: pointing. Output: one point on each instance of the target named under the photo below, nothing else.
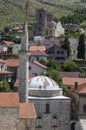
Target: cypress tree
(81, 47)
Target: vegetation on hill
(12, 11)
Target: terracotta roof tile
(27, 110)
(81, 89)
(37, 48)
(39, 64)
(8, 99)
(70, 74)
(2, 61)
(7, 42)
(12, 62)
(38, 53)
(5, 72)
(71, 81)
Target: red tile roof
(9, 99)
(37, 48)
(7, 42)
(38, 53)
(5, 72)
(39, 64)
(27, 110)
(2, 61)
(81, 89)
(70, 74)
(12, 62)
(71, 81)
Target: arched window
(47, 108)
(54, 121)
(39, 121)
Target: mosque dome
(43, 86)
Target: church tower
(24, 64)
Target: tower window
(47, 108)
(54, 121)
(40, 15)
(39, 121)
(84, 108)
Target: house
(4, 45)
(38, 55)
(15, 115)
(4, 74)
(71, 81)
(16, 48)
(70, 74)
(57, 53)
(71, 27)
(36, 68)
(12, 65)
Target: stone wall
(9, 118)
(26, 124)
(57, 107)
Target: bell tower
(24, 62)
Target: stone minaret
(24, 64)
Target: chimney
(76, 85)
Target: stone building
(15, 115)
(52, 108)
(45, 25)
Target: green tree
(51, 64)
(66, 46)
(4, 86)
(81, 47)
(69, 66)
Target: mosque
(40, 104)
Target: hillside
(12, 11)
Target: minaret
(24, 64)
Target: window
(54, 121)
(29, 67)
(40, 15)
(39, 29)
(47, 108)
(58, 52)
(84, 108)
(39, 121)
(62, 52)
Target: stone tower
(24, 64)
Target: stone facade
(57, 53)
(58, 108)
(52, 108)
(45, 25)
(9, 118)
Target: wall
(8, 118)
(58, 107)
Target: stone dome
(43, 86)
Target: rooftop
(9, 99)
(7, 42)
(37, 48)
(71, 81)
(12, 62)
(27, 110)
